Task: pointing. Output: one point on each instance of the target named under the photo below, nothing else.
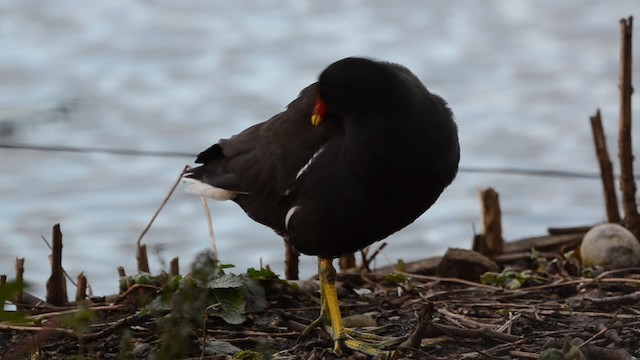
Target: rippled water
(521, 76)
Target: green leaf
(396, 278)
(232, 305)
(226, 281)
(489, 278)
(512, 284)
(142, 278)
(262, 274)
(254, 296)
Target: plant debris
(213, 314)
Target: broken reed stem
(20, 280)
(490, 242)
(81, 289)
(142, 259)
(174, 267)
(291, 261)
(606, 169)
(63, 270)
(123, 275)
(627, 182)
(56, 285)
(347, 261)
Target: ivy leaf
(231, 305)
(254, 296)
(226, 281)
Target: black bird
(356, 157)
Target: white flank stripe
(306, 166)
(289, 215)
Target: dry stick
(63, 270)
(347, 261)
(606, 169)
(366, 261)
(56, 285)
(175, 267)
(207, 213)
(627, 182)
(490, 242)
(141, 253)
(123, 275)
(420, 332)
(81, 289)
(142, 259)
(19, 279)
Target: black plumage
(356, 157)
(387, 149)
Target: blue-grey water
(521, 76)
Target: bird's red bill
(319, 111)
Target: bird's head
(354, 86)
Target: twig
(454, 280)
(627, 182)
(368, 260)
(207, 213)
(164, 201)
(414, 340)
(606, 169)
(52, 314)
(135, 288)
(110, 329)
(595, 336)
(475, 333)
(619, 299)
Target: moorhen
(359, 155)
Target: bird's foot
(367, 343)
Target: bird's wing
(265, 159)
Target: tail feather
(200, 188)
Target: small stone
(359, 320)
(610, 246)
(465, 264)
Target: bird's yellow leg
(331, 319)
(330, 307)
